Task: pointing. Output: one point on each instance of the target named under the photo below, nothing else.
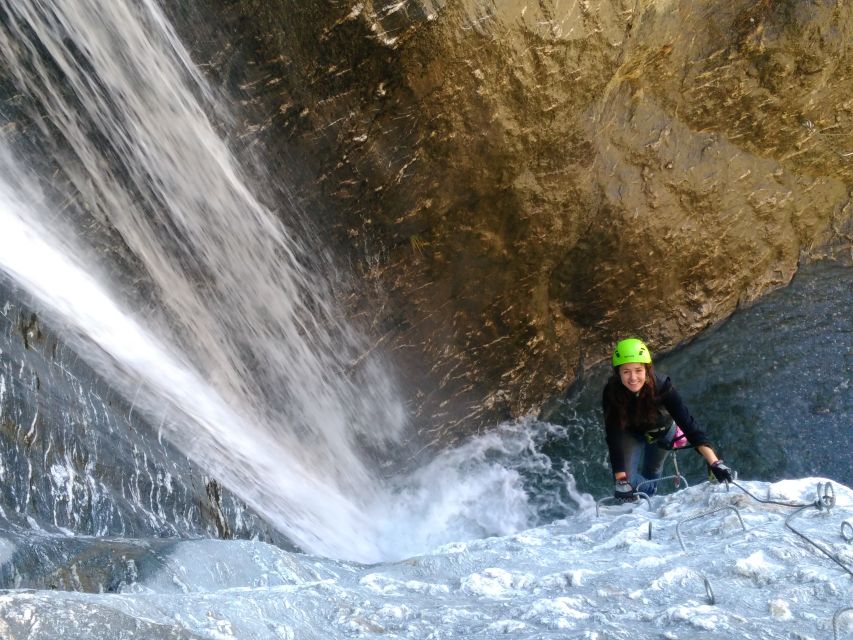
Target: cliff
(519, 184)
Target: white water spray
(244, 358)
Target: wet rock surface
(519, 184)
(76, 457)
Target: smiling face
(633, 376)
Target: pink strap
(680, 439)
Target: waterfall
(125, 215)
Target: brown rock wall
(519, 183)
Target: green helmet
(631, 350)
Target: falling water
(184, 288)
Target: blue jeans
(644, 461)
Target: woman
(643, 417)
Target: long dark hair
(618, 406)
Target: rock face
(74, 456)
(520, 184)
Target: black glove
(624, 492)
(721, 472)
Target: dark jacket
(670, 407)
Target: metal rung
(847, 531)
(702, 515)
(835, 618)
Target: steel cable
(825, 501)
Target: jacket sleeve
(676, 408)
(612, 436)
